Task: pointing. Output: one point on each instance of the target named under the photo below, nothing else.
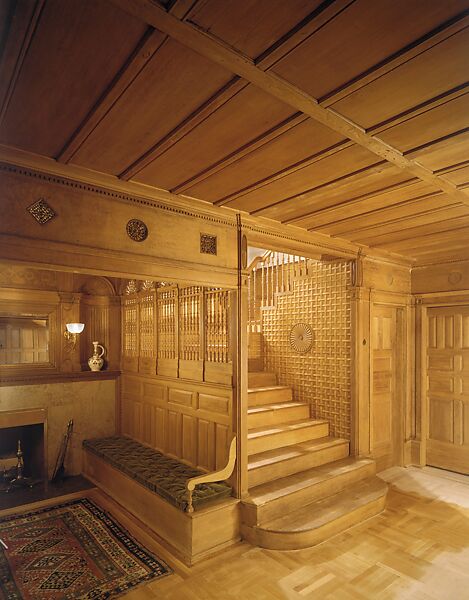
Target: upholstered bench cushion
(163, 475)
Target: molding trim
(19, 162)
(41, 378)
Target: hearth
(22, 447)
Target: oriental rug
(71, 551)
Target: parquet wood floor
(418, 549)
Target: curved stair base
(320, 520)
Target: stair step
(280, 462)
(275, 436)
(275, 498)
(317, 521)
(261, 378)
(269, 394)
(280, 412)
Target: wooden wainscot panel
(154, 392)
(218, 373)
(147, 365)
(446, 277)
(130, 363)
(174, 433)
(387, 277)
(189, 439)
(189, 420)
(168, 367)
(191, 369)
(131, 385)
(216, 404)
(182, 397)
(206, 445)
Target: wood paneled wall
(177, 388)
(191, 421)
(64, 298)
(383, 359)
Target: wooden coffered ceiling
(344, 117)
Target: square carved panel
(41, 211)
(208, 243)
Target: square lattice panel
(321, 376)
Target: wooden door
(386, 386)
(448, 388)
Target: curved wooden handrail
(212, 477)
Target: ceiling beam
(222, 54)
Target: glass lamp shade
(75, 327)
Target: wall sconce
(71, 332)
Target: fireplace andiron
(20, 480)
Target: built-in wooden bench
(193, 512)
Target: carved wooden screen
(147, 324)
(167, 322)
(217, 342)
(130, 331)
(189, 323)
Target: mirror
(24, 340)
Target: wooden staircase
(303, 485)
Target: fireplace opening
(31, 438)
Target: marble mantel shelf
(37, 378)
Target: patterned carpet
(70, 551)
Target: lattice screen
(130, 326)
(189, 323)
(147, 324)
(217, 342)
(321, 377)
(167, 322)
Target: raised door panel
(448, 387)
(384, 384)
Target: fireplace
(29, 427)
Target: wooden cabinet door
(448, 388)
(386, 414)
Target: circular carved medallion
(454, 277)
(301, 337)
(137, 230)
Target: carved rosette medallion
(137, 230)
(454, 277)
(41, 211)
(301, 338)
(208, 244)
